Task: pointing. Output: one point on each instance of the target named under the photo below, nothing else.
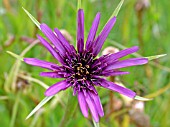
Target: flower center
(80, 67)
(81, 72)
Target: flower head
(80, 68)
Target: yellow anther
(87, 72)
(80, 64)
(87, 66)
(78, 68)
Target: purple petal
(50, 49)
(127, 63)
(113, 73)
(74, 91)
(51, 75)
(120, 89)
(63, 40)
(97, 102)
(80, 31)
(92, 107)
(92, 88)
(82, 104)
(53, 38)
(103, 35)
(54, 89)
(121, 54)
(41, 63)
(100, 82)
(92, 32)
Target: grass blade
(159, 92)
(69, 111)
(44, 101)
(15, 110)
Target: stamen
(87, 72)
(87, 66)
(81, 71)
(78, 73)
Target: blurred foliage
(140, 22)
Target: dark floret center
(81, 72)
(80, 66)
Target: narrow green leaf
(15, 109)
(155, 57)
(142, 98)
(15, 55)
(79, 5)
(32, 18)
(44, 101)
(116, 11)
(95, 124)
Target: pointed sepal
(32, 18)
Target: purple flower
(81, 69)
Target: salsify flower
(81, 69)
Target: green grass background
(148, 29)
